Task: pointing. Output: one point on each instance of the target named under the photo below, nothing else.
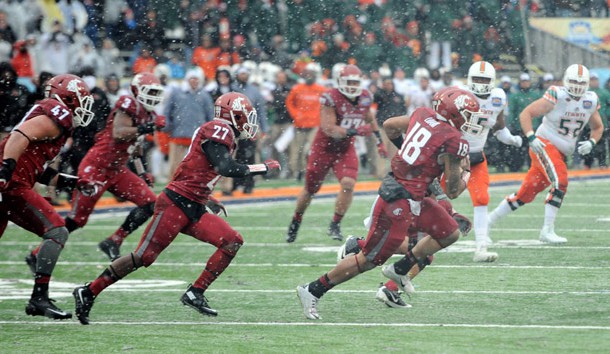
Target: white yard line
(307, 324)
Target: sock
(119, 235)
(337, 218)
(319, 287)
(405, 264)
(480, 226)
(550, 213)
(391, 285)
(218, 262)
(71, 225)
(501, 211)
(105, 279)
(41, 285)
(298, 217)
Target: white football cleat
(548, 235)
(403, 281)
(482, 255)
(309, 302)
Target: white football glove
(537, 146)
(585, 147)
(517, 141)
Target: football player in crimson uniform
(433, 145)
(181, 207)
(566, 110)
(345, 113)
(132, 116)
(481, 82)
(388, 293)
(25, 153)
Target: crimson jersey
(38, 153)
(416, 164)
(108, 151)
(349, 115)
(196, 177)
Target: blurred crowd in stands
(267, 48)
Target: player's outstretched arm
(394, 128)
(220, 157)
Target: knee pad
(232, 245)
(555, 197)
(58, 235)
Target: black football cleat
(30, 260)
(83, 300)
(193, 297)
(110, 248)
(43, 306)
(293, 229)
(334, 231)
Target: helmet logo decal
(460, 101)
(238, 104)
(72, 86)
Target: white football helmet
(576, 80)
(421, 73)
(484, 70)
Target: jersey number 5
(415, 140)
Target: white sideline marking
(303, 324)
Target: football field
(535, 299)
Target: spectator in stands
(40, 83)
(13, 99)
(278, 54)
(402, 84)
(420, 94)
(303, 104)
(144, 63)
(111, 61)
(151, 32)
(440, 18)
(6, 31)
(545, 82)
(246, 148)
(86, 57)
(55, 49)
(113, 89)
(22, 61)
(112, 16)
(523, 96)
(205, 56)
(368, 53)
(299, 16)
(74, 15)
(600, 151)
(282, 121)
(186, 109)
(227, 56)
(176, 65)
(126, 30)
(389, 104)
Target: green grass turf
(534, 299)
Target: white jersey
(562, 125)
(418, 97)
(491, 107)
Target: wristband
(530, 136)
(378, 136)
(351, 132)
(398, 141)
(593, 141)
(258, 169)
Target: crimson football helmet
(238, 111)
(459, 108)
(73, 92)
(147, 90)
(350, 81)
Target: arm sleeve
(219, 156)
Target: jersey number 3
(415, 140)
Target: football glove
(149, 179)
(216, 206)
(87, 186)
(585, 147)
(536, 144)
(6, 172)
(272, 165)
(363, 130)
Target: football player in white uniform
(481, 82)
(566, 110)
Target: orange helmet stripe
(580, 70)
(482, 68)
